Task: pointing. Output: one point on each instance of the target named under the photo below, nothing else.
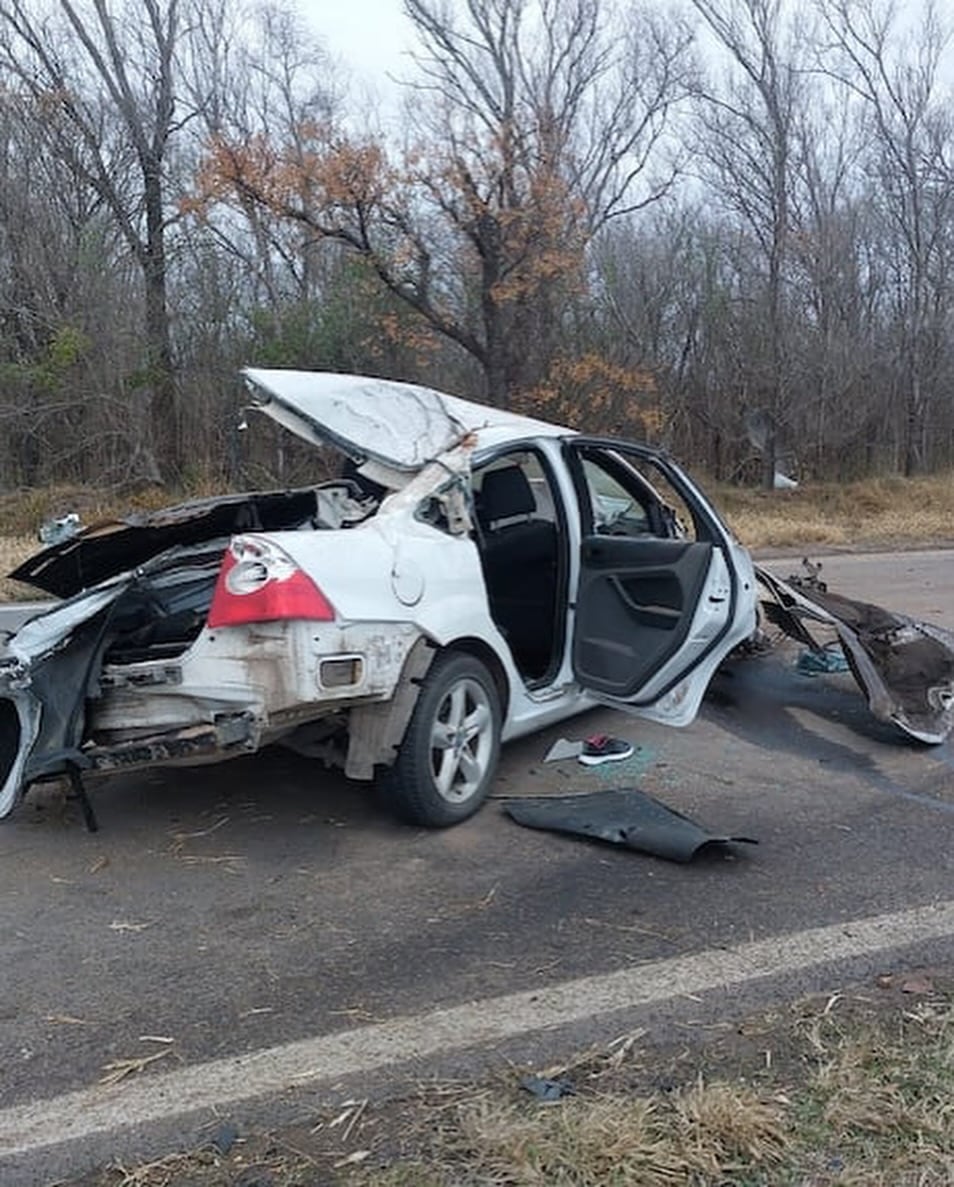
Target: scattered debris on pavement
(820, 663)
(563, 748)
(904, 667)
(591, 751)
(627, 817)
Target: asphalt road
(237, 907)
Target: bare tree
(668, 291)
(899, 77)
(836, 289)
(104, 81)
(266, 72)
(64, 295)
(747, 139)
(534, 121)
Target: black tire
(439, 785)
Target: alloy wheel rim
(462, 741)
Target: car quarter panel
(369, 570)
(281, 673)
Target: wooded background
(725, 228)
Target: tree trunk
(494, 362)
(913, 428)
(163, 405)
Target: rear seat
(519, 557)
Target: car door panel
(636, 602)
(658, 593)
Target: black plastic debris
(547, 1090)
(627, 817)
(224, 1138)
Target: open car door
(664, 592)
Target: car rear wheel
(448, 758)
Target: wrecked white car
(477, 576)
(474, 575)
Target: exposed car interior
(521, 550)
(521, 536)
(105, 549)
(178, 553)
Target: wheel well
(489, 658)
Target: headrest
(505, 493)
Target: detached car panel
(905, 668)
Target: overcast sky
(372, 37)
(368, 35)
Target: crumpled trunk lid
(400, 426)
(106, 549)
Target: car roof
(401, 425)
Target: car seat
(519, 557)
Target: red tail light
(260, 583)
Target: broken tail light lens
(258, 582)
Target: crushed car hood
(904, 667)
(398, 425)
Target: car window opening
(624, 500)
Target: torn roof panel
(401, 425)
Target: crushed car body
(471, 576)
(904, 667)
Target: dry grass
(22, 512)
(702, 1131)
(14, 550)
(878, 512)
(886, 1094)
(863, 1098)
(729, 1126)
(857, 1091)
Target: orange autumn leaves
(314, 176)
(596, 396)
(485, 237)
